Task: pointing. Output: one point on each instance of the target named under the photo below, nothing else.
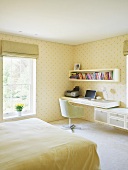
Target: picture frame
(77, 66)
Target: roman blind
(17, 49)
(125, 50)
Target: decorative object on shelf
(19, 107)
(74, 76)
(76, 66)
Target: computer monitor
(90, 94)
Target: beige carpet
(112, 143)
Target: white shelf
(115, 75)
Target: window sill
(24, 115)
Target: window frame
(127, 81)
(32, 97)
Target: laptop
(90, 94)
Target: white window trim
(127, 81)
(33, 99)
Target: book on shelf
(84, 75)
(74, 75)
(110, 75)
(102, 75)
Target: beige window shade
(125, 50)
(16, 49)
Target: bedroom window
(19, 85)
(127, 81)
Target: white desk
(95, 103)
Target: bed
(33, 144)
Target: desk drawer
(117, 115)
(116, 122)
(127, 124)
(100, 116)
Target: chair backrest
(69, 110)
(64, 107)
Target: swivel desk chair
(70, 111)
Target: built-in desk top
(95, 103)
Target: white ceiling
(65, 21)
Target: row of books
(93, 76)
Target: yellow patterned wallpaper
(107, 53)
(54, 62)
(52, 78)
(53, 65)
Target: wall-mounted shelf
(102, 75)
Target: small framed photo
(77, 66)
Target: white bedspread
(33, 144)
